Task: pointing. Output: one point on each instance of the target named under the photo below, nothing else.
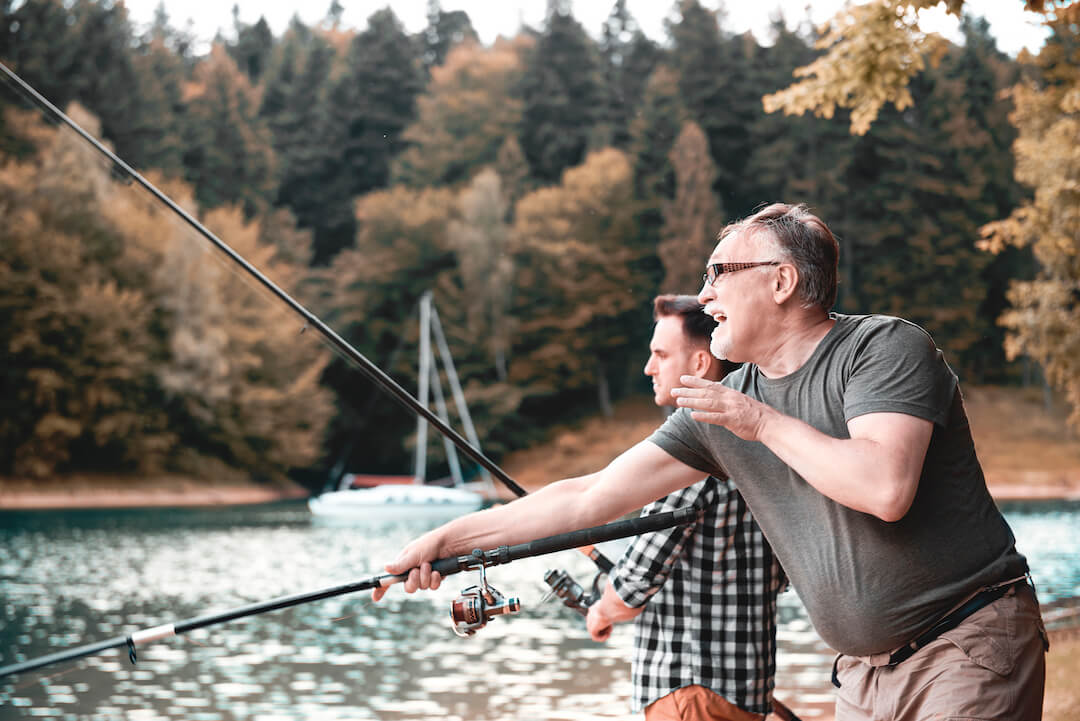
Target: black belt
(947, 623)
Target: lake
(75, 577)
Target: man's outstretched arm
(640, 475)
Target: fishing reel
(571, 592)
(478, 604)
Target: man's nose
(706, 293)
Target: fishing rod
(372, 371)
(469, 612)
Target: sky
(1009, 24)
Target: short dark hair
(697, 326)
(806, 241)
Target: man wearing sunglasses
(848, 439)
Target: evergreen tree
(157, 136)
(718, 84)
(629, 58)
(369, 107)
(295, 107)
(563, 96)
(79, 51)
(444, 32)
(918, 193)
(653, 133)
(253, 46)
(803, 159)
(227, 152)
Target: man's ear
(785, 282)
(700, 362)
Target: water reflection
(76, 577)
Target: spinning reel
(477, 605)
(570, 591)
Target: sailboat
(389, 498)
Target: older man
(848, 438)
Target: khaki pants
(991, 666)
(694, 703)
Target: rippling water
(69, 578)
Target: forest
(544, 187)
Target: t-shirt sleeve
(680, 437)
(897, 368)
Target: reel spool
(478, 604)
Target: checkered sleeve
(647, 562)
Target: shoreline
(27, 496)
(24, 496)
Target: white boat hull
(396, 502)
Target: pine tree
(369, 107)
(564, 98)
(227, 152)
(295, 107)
(653, 133)
(253, 47)
(157, 136)
(79, 51)
(629, 58)
(719, 86)
(918, 193)
(444, 32)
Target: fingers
(695, 382)
(601, 634)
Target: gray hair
(805, 241)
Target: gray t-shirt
(868, 585)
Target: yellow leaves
(465, 115)
(873, 51)
(1044, 321)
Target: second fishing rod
(339, 344)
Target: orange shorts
(691, 703)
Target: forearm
(556, 508)
(859, 472)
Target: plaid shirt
(711, 590)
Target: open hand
(714, 403)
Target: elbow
(896, 500)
